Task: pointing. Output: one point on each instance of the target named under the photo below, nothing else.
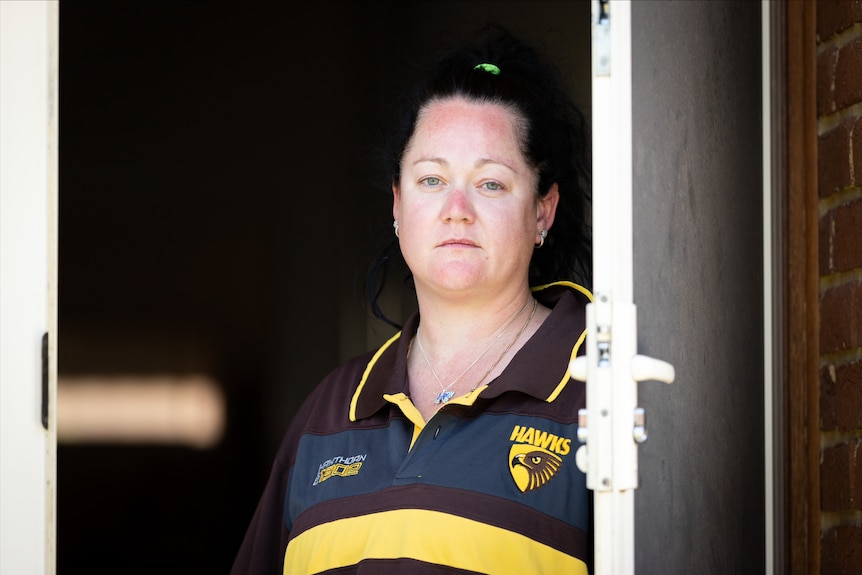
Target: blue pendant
(444, 396)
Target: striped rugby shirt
(488, 485)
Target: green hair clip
(490, 68)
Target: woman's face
(466, 204)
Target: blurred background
(220, 201)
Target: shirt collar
(539, 369)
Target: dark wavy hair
(555, 144)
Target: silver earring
(542, 235)
(395, 226)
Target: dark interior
(220, 201)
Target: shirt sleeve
(262, 549)
(265, 542)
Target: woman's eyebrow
(485, 161)
(440, 161)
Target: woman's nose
(458, 206)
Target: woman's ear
(547, 208)
(396, 197)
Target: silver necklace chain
(445, 394)
(508, 347)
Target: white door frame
(29, 76)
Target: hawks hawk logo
(532, 467)
(535, 456)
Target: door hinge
(601, 31)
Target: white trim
(609, 457)
(29, 78)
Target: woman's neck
(458, 348)
(458, 324)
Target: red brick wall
(839, 110)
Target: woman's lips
(458, 243)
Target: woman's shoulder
(326, 407)
(570, 294)
(341, 382)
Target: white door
(28, 285)
(698, 284)
(678, 235)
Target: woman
(452, 447)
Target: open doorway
(219, 204)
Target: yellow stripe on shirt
(429, 536)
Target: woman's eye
(492, 186)
(431, 181)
